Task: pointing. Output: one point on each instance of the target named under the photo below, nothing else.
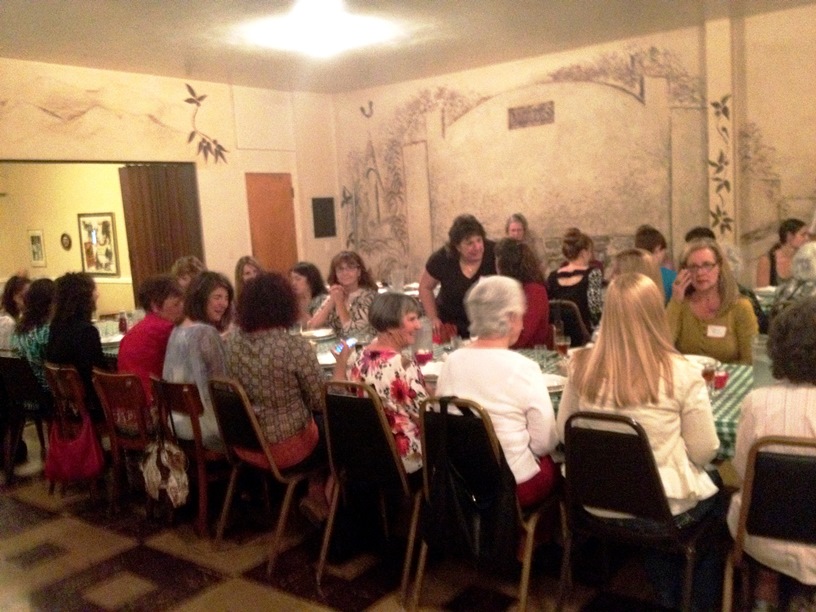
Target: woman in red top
(517, 260)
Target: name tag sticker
(716, 331)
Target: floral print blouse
(358, 326)
(401, 387)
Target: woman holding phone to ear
(396, 378)
(707, 314)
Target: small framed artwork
(36, 247)
(97, 239)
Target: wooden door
(270, 201)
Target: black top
(78, 344)
(453, 285)
(586, 293)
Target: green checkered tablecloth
(724, 403)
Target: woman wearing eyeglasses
(707, 314)
(351, 291)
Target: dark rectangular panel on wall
(323, 215)
(529, 116)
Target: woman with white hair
(509, 386)
(802, 282)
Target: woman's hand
(341, 359)
(680, 285)
(337, 294)
(437, 324)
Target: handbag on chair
(72, 459)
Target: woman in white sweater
(509, 386)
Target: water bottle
(762, 362)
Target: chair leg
(222, 520)
(324, 548)
(117, 466)
(409, 547)
(688, 580)
(14, 433)
(728, 584)
(420, 575)
(38, 423)
(274, 548)
(384, 517)
(201, 519)
(529, 541)
(565, 580)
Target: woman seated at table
(195, 350)
(143, 347)
(786, 408)
(246, 268)
(509, 386)
(351, 291)
(707, 315)
(634, 370)
(11, 307)
(73, 339)
(517, 260)
(278, 371)
(802, 282)
(577, 280)
(640, 261)
(185, 269)
(310, 290)
(455, 267)
(395, 377)
(775, 266)
(31, 334)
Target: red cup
(720, 379)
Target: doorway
(270, 203)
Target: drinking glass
(562, 344)
(709, 370)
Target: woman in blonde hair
(634, 370)
(246, 269)
(707, 314)
(637, 260)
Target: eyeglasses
(347, 268)
(704, 267)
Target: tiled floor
(67, 552)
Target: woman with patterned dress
(351, 291)
(31, 334)
(395, 377)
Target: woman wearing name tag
(707, 314)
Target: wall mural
(721, 212)
(374, 195)
(207, 146)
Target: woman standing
(309, 288)
(510, 387)
(12, 305)
(517, 260)
(395, 377)
(577, 280)
(634, 370)
(351, 291)
(195, 351)
(455, 267)
(775, 266)
(707, 315)
(31, 334)
(73, 339)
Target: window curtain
(162, 217)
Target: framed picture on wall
(36, 247)
(97, 237)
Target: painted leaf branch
(207, 146)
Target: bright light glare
(319, 28)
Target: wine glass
(562, 344)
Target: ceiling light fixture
(321, 29)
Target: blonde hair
(727, 287)
(637, 260)
(634, 351)
(239, 272)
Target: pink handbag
(78, 458)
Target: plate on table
(318, 334)
(555, 382)
(111, 341)
(431, 369)
(765, 292)
(703, 361)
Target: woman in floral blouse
(351, 291)
(395, 377)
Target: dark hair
(516, 218)
(14, 285)
(351, 258)
(198, 293)
(312, 275)
(73, 299)
(37, 307)
(789, 226)
(463, 227)
(699, 233)
(517, 260)
(156, 289)
(267, 301)
(575, 241)
(388, 309)
(792, 342)
(187, 265)
(649, 238)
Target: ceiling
(194, 40)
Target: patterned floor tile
(155, 580)
(16, 516)
(241, 594)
